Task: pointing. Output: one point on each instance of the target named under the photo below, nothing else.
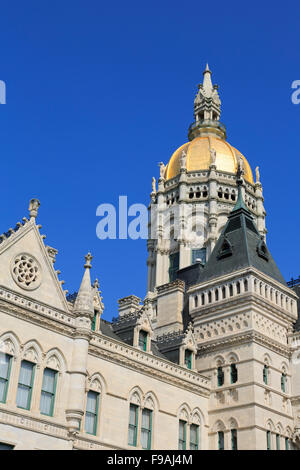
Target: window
(174, 266)
(5, 366)
(91, 414)
(220, 376)
(48, 392)
(265, 374)
(182, 435)
(188, 358)
(199, 255)
(4, 446)
(234, 439)
(233, 373)
(143, 340)
(221, 440)
(268, 440)
(146, 429)
(194, 437)
(133, 422)
(94, 321)
(287, 444)
(283, 382)
(277, 441)
(25, 385)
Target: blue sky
(99, 92)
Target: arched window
(223, 292)
(265, 374)
(221, 440)
(283, 382)
(146, 428)
(220, 376)
(234, 445)
(233, 373)
(196, 301)
(133, 424)
(216, 295)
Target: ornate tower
(196, 191)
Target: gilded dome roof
(198, 157)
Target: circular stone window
(26, 271)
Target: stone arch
(10, 344)
(232, 358)
(32, 351)
(288, 432)
(219, 361)
(197, 417)
(219, 426)
(279, 429)
(97, 383)
(151, 401)
(270, 425)
(184, 412)
(267, 359)
(136, 396)
(233, 423)
(284, 367)
(55, 360)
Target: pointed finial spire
(207, 110)
(34, 205)
(239, 181)
(84, 304)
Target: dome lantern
(207, 110)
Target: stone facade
(209, 359)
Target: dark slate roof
(240, 246)
(106, 329)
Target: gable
(27, 269)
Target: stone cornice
(242, 338)
(160, 369)
(36, 312)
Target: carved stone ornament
(26, 271)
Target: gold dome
(198, 157)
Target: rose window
(26, 271)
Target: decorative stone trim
(137, 360)
(171, 287)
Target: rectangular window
(133, 423)
(25, 385)
(199, 255)
(220, 377)
(5, 366)
(188, 358)
(174, 266)
(146, 429)
(94, 321)
(265, 374)
(91, 413)
(182, 435)
(283, 382)
(194, 437)
(221, 440)
(143, 340)
(233, 373)
(268, 440)
(234, 439)
(287, 444)
(48, 392)
(277, 442)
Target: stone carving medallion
(26, 271)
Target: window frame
(6, 380)
(30, 387)
(221, 440)
(149, 431)
(266, 374)
(49, 393)
(269, 443)
(188, 360)
(135, 426)
(233, 373)
(220, 376)
(193, 445)
(234, 441)
(143, 347)
(95, 428)
(183, 441)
